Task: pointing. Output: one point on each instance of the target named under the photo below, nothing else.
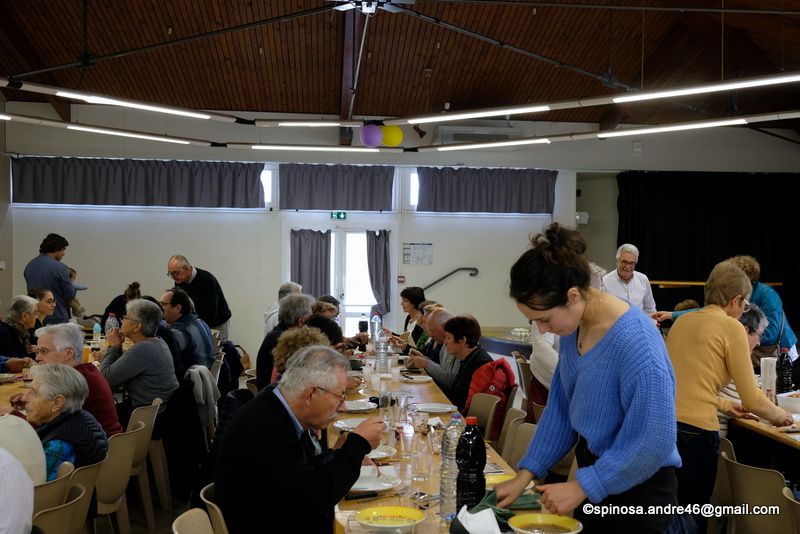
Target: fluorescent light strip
(712, 88)
(315, 148)
(446, 117)
(307, 123)
(5, 117)
(672, 128)
(91, 99)
(498, 144)
(121, 133)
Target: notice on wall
(418, 253)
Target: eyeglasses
(173, 274)
(341, 397)
(129, 318)
(625, 263)
(45, 350)
(757, 333)
(165, 303)
(746, 305)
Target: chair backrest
(146, 415)
(484, 406)
(252, 385)
(723, 494)
(52, 520)
(194, 521)
(214, 512)
(525, 375)
(794, 508)
(514, 417)
(86, 477)
(757, 487)
(51, 494)
(538, 410)
(116, 470)
(522, 438)
(217, 365)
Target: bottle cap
(472, 420)
(455, 415)
(112, 314)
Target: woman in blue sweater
(612, 395)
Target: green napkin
(526, 501)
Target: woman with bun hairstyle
(612, 394)
(117, 306)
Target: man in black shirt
(206, 293)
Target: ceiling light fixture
(709, 88)
(307, 123)
(497, 144)
(744, 83)
(310, 148)
(91, 99)
(123, 133)
(672, 128)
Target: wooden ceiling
(409, 66)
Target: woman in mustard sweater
(708, 348)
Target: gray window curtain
(311, 261)
(127, 182)
(336, 187)
(486, 190)
(378, 265)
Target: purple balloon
(371, 135)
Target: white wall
(599, 198)
(111, 248)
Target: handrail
(473, 272)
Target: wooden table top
(766, 429)
(6, 390)
(427, 392)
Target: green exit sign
(339, 215)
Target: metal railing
(473, 271)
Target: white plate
(417, 379)
(7, 377)
(359, 406)
(383, 451)
(370, 481)
(435, 407)
(349, 424)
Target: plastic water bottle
(783, 371)
(381, 345)
(96, 330)
(375, 326)
(449, 472)
(111, 323)
(471, 460)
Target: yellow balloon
(392, 135)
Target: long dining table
(427, 392)
(10, 388)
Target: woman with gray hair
(14, 336)
(145, 370)
(68, 432)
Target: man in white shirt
(16, 494)
(629, 284)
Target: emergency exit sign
(339, 215)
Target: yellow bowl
(390, 517)
(528, 523)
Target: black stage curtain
(685, 222)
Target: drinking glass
(384, 397)
(419, 420)
(422, 457)
(406, 441)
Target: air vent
(447, 135)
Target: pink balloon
(371, 135)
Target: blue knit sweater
(620, 396)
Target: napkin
(435, 421)
(482, 522)
(526, 501)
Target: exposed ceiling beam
(348, 60)
(619, 7)
(9, 36)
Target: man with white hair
(627, 283)
(271, 315)
(293, 481)
(63, 343)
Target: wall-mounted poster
(418, 253)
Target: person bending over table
(291, 485)
(68, 432)
(613, 392)
(708, 348)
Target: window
(413, 189)
(266, 184)
(350, 277)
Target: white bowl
(790, 401)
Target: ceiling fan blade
(345, 7)
(390, 8)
